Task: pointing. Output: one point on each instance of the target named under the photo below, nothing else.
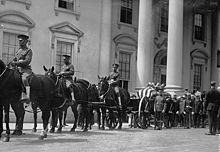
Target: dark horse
(10, 94)
(43, 94)
(83, 92)
(111, 100)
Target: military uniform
(114, 81)
(67, 73)
(22, 60)
(212, 106)
(158, 108)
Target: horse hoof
(72, 130)
(51, 131)
(17, 132)
(6, 139)
(41, 138)
(102, 128)
(119, 128)
(58, 130)
(85, 130)
(34, 130)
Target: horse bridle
(107, 90)
(3, 72)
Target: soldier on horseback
(22, 61)
(114, 81)
(67, 72)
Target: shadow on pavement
(50, 141)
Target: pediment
(66, 28)
(15, 17)
(125, 39)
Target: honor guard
(23, 60)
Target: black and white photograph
(110, 75)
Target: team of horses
(49, 93)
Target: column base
(174, 89)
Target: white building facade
(166, 41)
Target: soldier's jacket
(212, 100)
(188, 105)
(115, 77)
(24, 57)
(159, 103)
(168, 105)
(68, 71)
(198, 108)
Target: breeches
(116, 88)
(68, 83)
(24, 78)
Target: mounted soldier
(22, 61)
(67, 72)
(114, 81)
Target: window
(164, 19)
(163, 61)
(62, 48)
(126, 11)
(124, 62)
(66, 4)
(10, 46)
(197, 76)
(199, 29)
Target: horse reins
(3, 72)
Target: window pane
(10, 45)
(199, 32)
(126, 11)
(62, 48)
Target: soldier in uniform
(212, 106)
(67, 72)
(22, 61)
(114, 81)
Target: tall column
(105, 37)
(216, 46)
(175, 46)
(144, 52)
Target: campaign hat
(212, 83)
(66, 56)
(22, 37)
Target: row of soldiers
(187, 110)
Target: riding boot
(25, 97)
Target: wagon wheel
(112, 121)
(142, 119)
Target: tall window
(66, 4)
(164, 19)
(124, 69)
(62, 48)
(197, 76)
(199, 29)
(10, 46)
(126, 11)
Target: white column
(145, 41)
(175, 46)
(105, 37)
(215, 72)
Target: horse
(43, 94)
(11, 89)
(83, 92)
(107, 93)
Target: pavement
(125, 140)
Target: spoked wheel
(112, 120)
